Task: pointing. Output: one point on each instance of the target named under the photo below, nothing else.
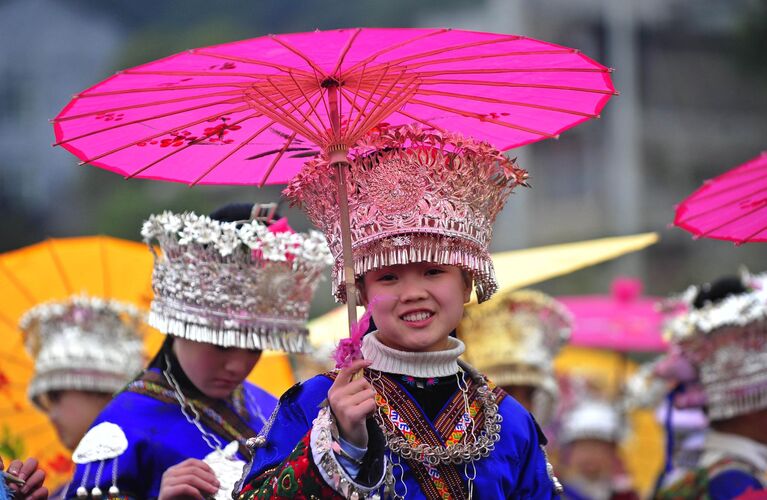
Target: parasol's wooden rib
(353, 102)
(381, 112)
(17, 283)
(420, 120)
(164, 88)
(442, 50)
(20, 362)
(395, 46)
(147, 119)
(176, 150)
(517, 85)
(440, 81)
(728, 203)
(300, 54)
(277, 158)
(59, 266)
(490, 71)
(307, 119)
(353, 126)
(344, 51)
(284, 118)
(475, 57)
(247, 60)
(13, 325)
(739, 185)
(494, 100)
(148, 138)
(752, 236)
(313, 107)
(38, 427)
(146, 105)
(231, 153)
(217, 74)
(483, 118)
(730, 221)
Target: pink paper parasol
(730, 207)
(229, 114)
(625, 321)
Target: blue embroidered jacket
(517, 468)
(160, 436)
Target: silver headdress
(726, 344)
(234, 284)
(83, 343)
(592, 419)
(513, 339)
(414, 196)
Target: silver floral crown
(414, 196)
(83, 343)
(233, 284)
(726, 342)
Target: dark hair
(236, 212)
(724, 287)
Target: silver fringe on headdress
(233, 285)
(726, 342)
(414, 196)
(83, 344)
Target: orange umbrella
(53, 270)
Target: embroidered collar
(415, 364)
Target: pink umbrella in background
(250, 112)
(730, 207)
(625, 321)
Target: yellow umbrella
(642, 452)
(514, 269)
(53, 270)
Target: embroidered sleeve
(312, 470)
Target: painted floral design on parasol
(730, 207)
(229, 114)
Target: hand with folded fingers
(30, 480)
(352, 401)
(191, 478)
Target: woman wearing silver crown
(226, 287)
(85, 349)
(718, 356)
(419, 423)
(513, 339)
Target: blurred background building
(692, 76)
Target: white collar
(415, 364)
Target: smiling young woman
(420, 423)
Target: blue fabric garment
(732, 483)
(159, 436)
(516, 469)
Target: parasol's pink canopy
(624, 321)
(730, 207)
(231, 113)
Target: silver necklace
(458, 453)
(187, 406)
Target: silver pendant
(227, 467)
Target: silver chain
(210, 439)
